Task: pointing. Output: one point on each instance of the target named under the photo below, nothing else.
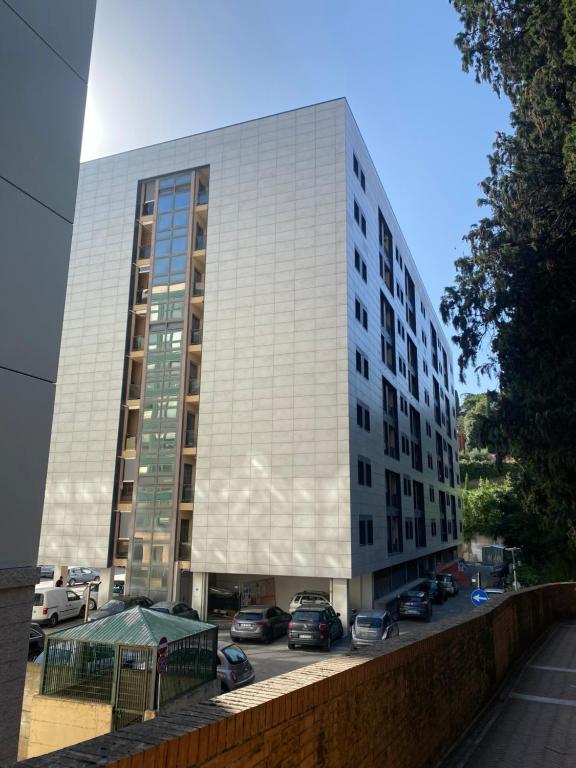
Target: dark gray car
(119, 604)
(315, 626)
(181, 610)
(416, 604)
(259, 622)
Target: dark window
(363, 225)
(355, 164)
(364, 472)
(362, 532)
(363, 416)
(363, 180)
(356, 212)
(431, 494)
(409, 528)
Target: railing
(134, 392)
(202, 197)
(187, 493)
(200, 242)
(130, 444)
(198, 289)
(138, 343)
(184, 550)
(144, 252)
(196, 336)
(142, 296)
(190, 438)
(148, 208)
(194, 387)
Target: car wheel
(53, 620)
(92, 604)
(291, 646)
(72, 582)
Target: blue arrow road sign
(479, 597)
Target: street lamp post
(514, 575)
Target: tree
(516, 288)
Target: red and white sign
(162, 646)
(162, 663)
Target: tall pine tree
(517, 286)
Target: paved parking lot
(276, 659)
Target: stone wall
(402, 707)
(31, 688)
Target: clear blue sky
(166, 69)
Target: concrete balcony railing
(198, 289)
(196, 336)
(187, 493)
(307, 714)
(194, 387)
(130, 444)
(190, 438)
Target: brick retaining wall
(400, 708)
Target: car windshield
(249, 616)
(414, 597)
(234, 654)
(38, 598)
(114, 606)
(310, 616)
(369, 622)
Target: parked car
(259, 622)
(448, 583)
(117, 589)
(318, 626)
(438, 595)
(310, 597)
(416, 604)
(53, 604)
(36, 642)
(46, 571)
(78, 575)
(372, 628)
(118, 604)
(181, 610)
(233, 670)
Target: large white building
(255, 394)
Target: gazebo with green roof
(137, 660)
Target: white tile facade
(275, 441)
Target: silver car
(234, 670)
(372, 628)
(78, 575)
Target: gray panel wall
(372, 501)
(44, 56)
(274, 330)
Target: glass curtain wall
(151, 558)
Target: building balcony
(138, 344)
(196, 336)
(148, 208)
(134, 391)
(125, 495)
(194, 387)
(142, 296)
(198, 289)
(185, 551)
(190, 438)
(130, 444)
(144, 252)
(202, 196)
(200, 243)
(187, 493)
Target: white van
(52, 604)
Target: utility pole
(514, 575)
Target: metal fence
(126, 676)
(79, 670)
(191, 662)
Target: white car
(53, 604)
(309, 598)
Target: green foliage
(489, 508)
(484, 469)
(515, 289)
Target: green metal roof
(136, 626)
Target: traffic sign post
(162, 664)
(162, 646)
(479, 597)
